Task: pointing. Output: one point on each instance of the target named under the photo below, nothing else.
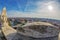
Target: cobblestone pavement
(22, 37)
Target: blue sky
(17, 4)
(32, 8)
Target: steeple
(4, 11)
(6, 29)
(4, 17)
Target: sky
(32, 8)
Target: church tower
(7, 30)
(4, 17)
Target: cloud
(41, 11)
(33, 15)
